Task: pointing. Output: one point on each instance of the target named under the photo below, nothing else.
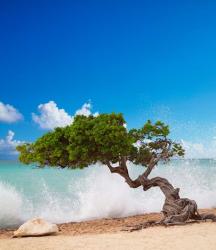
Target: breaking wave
(95, 193)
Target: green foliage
(50, 149)
(100, 139)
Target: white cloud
(8, 145)
(51, 116)
(199, 150)
(9, 114)
(86, 110)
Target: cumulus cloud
(51, 116)
(86, 110)
(199, 150)
(8, 145)
(9, 114)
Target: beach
(115, 234)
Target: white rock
(36, 227)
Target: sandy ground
(111, 234)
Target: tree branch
(123, 171)
(163, 155)
(142, 179)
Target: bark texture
(176, 210)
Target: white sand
(194, 237)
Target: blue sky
(146, 59)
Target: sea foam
(97, 193)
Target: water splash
(95, 193)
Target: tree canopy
(104, 139)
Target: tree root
(141, 226)
(183, 210)
(167, 222)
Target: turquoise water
(30, 180)
(62, 195)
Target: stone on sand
(36, 227)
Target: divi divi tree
(105, 139)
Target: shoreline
(106, 234)
(104, 225)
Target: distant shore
(114, 233)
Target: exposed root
(177, 220)
(180, 211)
(141, 226)
(206, 216)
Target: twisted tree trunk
(175, 210)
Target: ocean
(64, 195)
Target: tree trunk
(176, 210)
